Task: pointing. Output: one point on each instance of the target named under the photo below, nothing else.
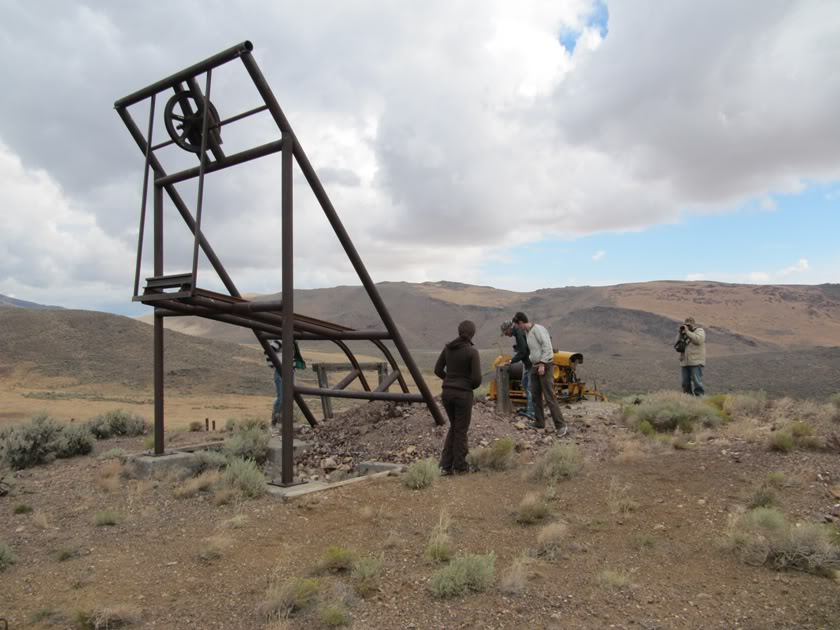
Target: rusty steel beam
(390, 396)
(231, 160)
(343, 237)
(171, 81)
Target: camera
(682, 328)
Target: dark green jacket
(520, 348)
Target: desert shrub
(7, 557)
(799, 429)
(680, 443)
(615, 580)
(106, 617)
(366, 574)
(782, 442)
(22, 508)
(438, 548)
(211, 549)
(421, 474)
(106, 518)
(762, 537)
(244, 477)
(334, 615)
(472, 572)
(667, 411)
(745, 404)
(117, 423)
(30, 444)
(335, 560)
(533, 508)
(114, 453)
(204, 482)
(202, 461)
(75, 439)
(250, 443)
(249, 423)
(776, 479)
(499, 456)
(289, 598)
(515, 578)
(643, 540)
(762, 497)
(62, 554)
(645, 428)
(561, 461)
(834, 399)
(230, 424)
(550, 540)
(618, 500)
(717, 401)
(196, 426)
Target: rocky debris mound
(400, 434)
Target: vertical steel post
(503, 404)
(158, 339)
(146, 171)
(205, 124)
(288, 350)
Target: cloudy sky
(519, 145)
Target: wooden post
(324, 383)
(503, 404)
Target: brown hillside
(427, 313)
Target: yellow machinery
(567, 386)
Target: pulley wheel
(184, 118)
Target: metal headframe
(197, 129)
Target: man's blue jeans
(278, 402)
(526, 385)
(692, 380)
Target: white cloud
(443, 132)
(598, 255)
(800, 266)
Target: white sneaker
(561, 431)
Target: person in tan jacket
(693, 358)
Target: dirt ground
(669, 547)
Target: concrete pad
(275, 449)
(173, 460)
(310, 487)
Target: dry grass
(532, 509)
(367, 573)
(499, 456)
(109, 476)
(439, 549)
(224, 496)
(747, 430)
(289, 598)
(40, 520)
(630, 451)
(204, 482)
(550, 540)
(107, 518)
(615, 580)
(514, 579)
(618, 500)
(336, 560)
(7, 557)
(235, 522)
(561, 461)
(106, 617)
(212, 549)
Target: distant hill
(99, 348)
(781, 338)
(10, 302)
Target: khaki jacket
(695, 351)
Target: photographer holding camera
(691, 344)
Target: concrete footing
(368, 470)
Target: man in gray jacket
(693, 357)
(542, 373)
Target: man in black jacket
(460, 368)
(521, 352)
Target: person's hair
(506, 327)
(466, 330)
(690, 320)
(520, 318)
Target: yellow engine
(567, 386)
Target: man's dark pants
(458, 404)
(692, 380)
(543, 387)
